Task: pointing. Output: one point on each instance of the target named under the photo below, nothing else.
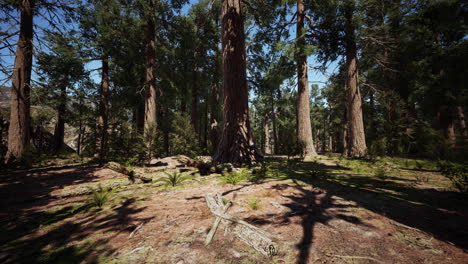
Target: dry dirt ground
(339, 217)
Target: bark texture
(194, 112)
(59, 132)
(266, 148)
(236, 145)
(356, 136)
(150, 86)
(18, 132)
(104, 110)
(304, 127)
(461, 119)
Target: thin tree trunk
(344, 134)
(104, 110)
(194, 113)
(150, 87)
(215, 89)
(461, 118)
(447, 124)
(273, 121)
(304, 127)
(59, 132)
(205, 125)
(18, 132)
(266, 148)
(236, 145)
(78, 143)
(356, 135)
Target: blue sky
(7, 60)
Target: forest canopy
(237, 80)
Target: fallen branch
(215, 225)
(132, 175)
(249, 234)
(136, 229)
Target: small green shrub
(173, 179)
(458, 174)
(234, 178)
(99, 197)
(317, 172)
(253, 203)
(258, 174)
(381, 173)
(418, 165)
(339, 161)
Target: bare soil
(354, 219)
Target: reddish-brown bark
(236, 145)
(18, 132)
(304, 127)
(104, 110)
(356, 136)
(150, 86)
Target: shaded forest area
(328, 124)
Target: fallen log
(132, 175)
(247, 233)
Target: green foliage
(235, 178)
(173, 179)
(418, 165)
(183, 137)
(430, 143)
(380, 173)
(457, 173)
(378, 148)
(99, 197)
(253, 203)
(318, 172)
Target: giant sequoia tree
(356, 135)
(150, 85)
(304, 128)
(236, 145)
(18, 132)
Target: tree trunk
(273, 121)
(304, 127)
(18, 132)
(356, 136)
(344, 134)
(236, 145)
(104, 110)
(447, 124)
(59, 132)
(194, 113)
(150, 87)
(266, 148)
(461, 118)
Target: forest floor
(324, 211)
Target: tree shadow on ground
(69, 238)
(440, 213)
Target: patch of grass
(173, 179)
(418, 165)
(458, 174)
(235, 178)
(253, 203)
(100, 197)
(421, 177)
(317, 172)
(380, 173)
